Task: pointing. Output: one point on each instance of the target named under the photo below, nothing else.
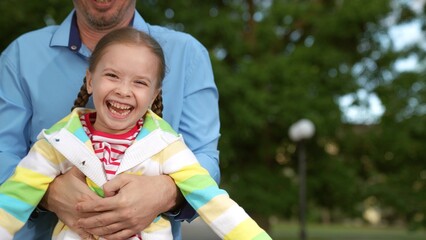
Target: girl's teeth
(120, 106)
(119, 113)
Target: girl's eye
(111, 75)
(141, 83)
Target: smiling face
(124, 83)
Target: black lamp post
(299, 132)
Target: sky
(401, 36)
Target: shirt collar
(61, 35)
(68, 34)
(74, 42)
(139, 23)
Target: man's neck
(90, 35)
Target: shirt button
(73, 47)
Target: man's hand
(131, 203)
(63, 195)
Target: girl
(123, 135)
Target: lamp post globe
(301, 130)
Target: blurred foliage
(17, 17)
(277, 61)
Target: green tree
(276, 61)
(18, 17)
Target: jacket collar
(69, 138)
(72, 123)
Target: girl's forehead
(126, 50)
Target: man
(40, 75)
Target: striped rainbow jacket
(158, 149)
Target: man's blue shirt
(42, 71)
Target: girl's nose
(123, 90)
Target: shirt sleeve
(15, 108)
(200, 124)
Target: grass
(290, 231)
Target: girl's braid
(157, 105)
(82, 97)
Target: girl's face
(123, 85)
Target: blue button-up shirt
(41, 73)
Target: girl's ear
(89, 82)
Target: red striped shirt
(109, 148)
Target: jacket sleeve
(21, 193)
(226, 218)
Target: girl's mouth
(119, 109)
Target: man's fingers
(123, 234)
(107, 231)
(77, 173)
(82, 233)
(113, 186)
(100, 220)
(102, 224)
(98, 205)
